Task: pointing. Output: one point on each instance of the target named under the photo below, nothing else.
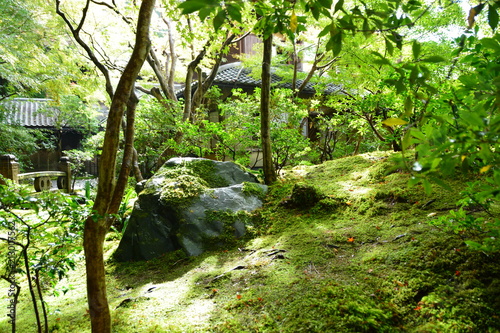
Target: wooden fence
(9, 168)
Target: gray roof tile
(235, 74)
(28, 112)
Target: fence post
(9, 167)
(65, 166)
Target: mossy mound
(365, 257)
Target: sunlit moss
(354, 262)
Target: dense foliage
(41, 242)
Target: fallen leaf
(238, 296)
(350, 239)
(399, 283)
(457, 273)
(417, 308)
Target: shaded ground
(360, 257)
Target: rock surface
(191, 204)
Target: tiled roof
(28, 112)
(235, 75)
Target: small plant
(125, 209)
(43, 255)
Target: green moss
(229, 236)
(304, 196)
(182, 189)
(202, 168)
(182, 183)
(363, 259)
(253, 189)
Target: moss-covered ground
(359, 257)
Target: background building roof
(234, 74)
(28, 112)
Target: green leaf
(427, 186)
(407, 140)
(336, 39)
(492, 17)
(366, 29)
(381, 59)
(414, 181)
(472, 118)
(326, 3)
(191, 6)
(204, 13)
(389, 47)
(441, 183)
(339, 5)
(234, 12)
(219, 19)
(433, 59)
(315, 12)
(325, 30)
(491, 44)
(400, 86)
(414, 74)
(418, 134)
(416, 48)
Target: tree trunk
(94, 234)
(265, 128)
(108, 193)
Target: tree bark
(108, 192)
(265, 128)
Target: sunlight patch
(355, 190)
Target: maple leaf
(350, 239)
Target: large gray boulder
(192, 204)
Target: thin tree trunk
(97, 225)
(29, 277)
(128, 156)
(265, 127)
(42, 302)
